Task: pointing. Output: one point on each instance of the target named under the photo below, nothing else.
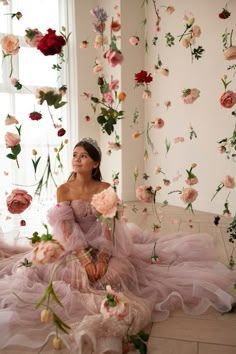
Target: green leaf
(54, 296)
(16, 149)
(11, 156)
(35, 163)
(60, 104)
(101, 120)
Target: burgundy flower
(22, 223)
(224, 14)
(51, 44)
(61, 132)
(143, 77)
(35, 115)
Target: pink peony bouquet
(114, 305)
(18, 201)
(106, 203)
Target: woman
(104, 286)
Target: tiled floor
(210, 333)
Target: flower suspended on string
(10, 46)
(188, 196)
(190, 95)
(35, 115)
(134, 40)
(18, 201)
(13, 142)
(51, 43)
(33, 37)
(224, 14)
(191, 179)
(227, 182)
(16, 83)
(142, 78)
(10, 120)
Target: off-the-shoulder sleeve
(65, 228)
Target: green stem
(11, 71)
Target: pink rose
(18, 201)
(47, 252)
(179, 139)
(12, 139)
(114, 57)
(114, 85)
(158, 123)
(134, 40)
(108, 97)
(10, 44)
(229, 182)
(189, 195)
(106, 202)
(228, 99)
(196, 31)
(192, 181)
(33, 37)
(190, 95)
(144, 194)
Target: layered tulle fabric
(187, 276)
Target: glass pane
(4, 18)
(36, 69)
(41, 14)
(4, 111)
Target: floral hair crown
(93, 143)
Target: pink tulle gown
(188, 276)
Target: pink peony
(229, 182)
(228, 99)
(18, 201)
(47, 252)
(10, 44)
(12, 139)
(144, 194)
(189, 195)
(106, 202)
(114, 57)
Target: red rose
(143, 77)
(61, 132)
(35, 115)
(228, 99)
(51, 44)
(224, 14)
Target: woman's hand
(101, 268)
(91, 271)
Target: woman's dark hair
(95, 156)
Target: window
(33, 70)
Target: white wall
(210, 121)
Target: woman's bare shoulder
(63, 192)
(103, 185)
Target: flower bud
(45, 315)
(34, 152)
(56, 342)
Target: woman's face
(82, 162)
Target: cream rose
(106, 202)
(10, 44)
(46, 252)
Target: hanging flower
(35, 115)
(145, 193)
(115, 26)
(134, 40)
(228, 99)
(10, 44)
(188, 196)
(227, 182)
(114, 57)
(18, 201)
(230, 53)
(143, 78)
(190, 95)
(170, 10)
(158, 123)
(10, 120)
(224, 14)
(50, 43)
(191, 179)
(61, 132)
(84, 44)
(33, 37)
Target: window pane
(3, 23)
(36, 68)
(41, 14)
(1, 58)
